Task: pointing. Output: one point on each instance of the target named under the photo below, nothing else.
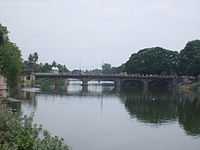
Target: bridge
(118, 79)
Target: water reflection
(158, 109)
(150, 108)
(189, 114)
(155, 109)
(101, 118)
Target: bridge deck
(102, 76)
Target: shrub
(21, 134)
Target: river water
(98, 118)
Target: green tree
(35, 57)
(189, 59)
(10, 63)
(17, 133)
(30, 58)
(152, 61)
(45, 68)
(31, 65)
(54, 64)
(106, 68)
(62, 68)
(10, 59)
(3, 34)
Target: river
(101, 119)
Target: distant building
(3, 87)
(55, 70)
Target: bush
(21, 134)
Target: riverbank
(19, 133)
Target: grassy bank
(18, 133)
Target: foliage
(21, 134)
(51, 84)
(153, 61)
(31, 65)
(54, 64)
(45, 67)
(106, 68)
(10, 59)
(10, 63)
(33, 58)
(189, 59)
(3, 34)
(62, 68)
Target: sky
(84, 34)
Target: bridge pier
(174, 84)
(84, 82)
(85, 85)
(33, 79)
(66, 84)
(55, 84)
(84, 89)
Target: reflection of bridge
(152, 108)
(118, 79)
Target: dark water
(101, 119)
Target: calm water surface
(101, 119)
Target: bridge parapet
(113, 76)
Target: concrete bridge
(118, 79)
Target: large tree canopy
(152, 61)
(10, 58)
(190, 58)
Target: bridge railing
(110, 75)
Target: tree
(45, 68)
(35, 57)
(62, 68)
(3, 34)
(10, 59)
(189, 59)
(20, 133)
(10, 63)
(32, 65)
(30, 58)
(154, 60)
(54, 64)
(106, 68)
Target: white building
(55, 70)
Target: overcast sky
(86, 33)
